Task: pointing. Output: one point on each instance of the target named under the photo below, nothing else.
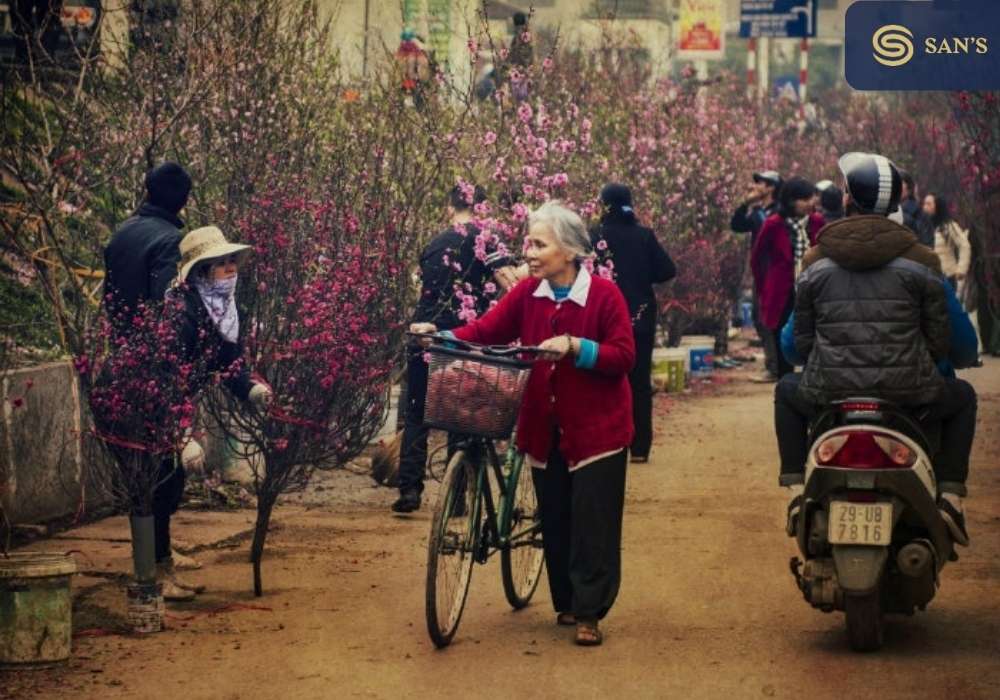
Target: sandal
(566, 619)
(587, 634)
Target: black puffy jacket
(141, 260)
(871, 315)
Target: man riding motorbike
(871, 319)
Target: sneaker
(794, 508)
(765, 378)
(954, 518)
(407, 502)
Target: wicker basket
(472, 393)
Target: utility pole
(364, 47)
(764, 66)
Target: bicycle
(475, 391)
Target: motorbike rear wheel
(865, 621)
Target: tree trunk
(265, 504)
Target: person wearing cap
(639, 263)
(209, 327)
(448, 262)
(759, 204)
(140, 261)
(749, 217)
(871, 318)
(776, 260)
(831, 201)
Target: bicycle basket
(474, 394)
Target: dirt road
(707, 606)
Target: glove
(193, 457)
(261, 396)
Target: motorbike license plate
(860, 523)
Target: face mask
(218, 299)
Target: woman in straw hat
(209, 333)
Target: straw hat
(206, 243)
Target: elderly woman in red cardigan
(575, 423)
(776, 259)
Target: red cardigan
(773, 263)
(591, 407)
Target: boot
(173, 588)
(183, 562)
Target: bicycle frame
(492, 538)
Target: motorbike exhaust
(914, 559)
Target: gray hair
(567, 226)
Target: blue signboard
(778, 18)
(896, 45)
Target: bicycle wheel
(451, 548)
(522, 559)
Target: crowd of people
(856, 284)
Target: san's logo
(893, 44)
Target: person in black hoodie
(448, 262)
(639, 263)
(141, 259)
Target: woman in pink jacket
(777, 257)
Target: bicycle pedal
(450, 543)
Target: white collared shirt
(577, 293)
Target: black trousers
(767, 339)
(642, 395)
(166, 500)
(413, 450)
(582, 532)
(955, 411)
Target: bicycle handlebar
(496, 350)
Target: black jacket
(912, 215)
(871, 314)
(747, 219)
(639, 263)
(207, 351)
(438, 276)
(141, 259)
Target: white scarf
(218, 298)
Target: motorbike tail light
(898, 452)
(828, 449)
(860, 406)
(864, 450)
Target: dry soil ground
(707, 606)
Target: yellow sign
(701, 33)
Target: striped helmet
(873, 182)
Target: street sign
(778, 18)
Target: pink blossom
(524, 112)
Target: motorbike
(869, 531)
